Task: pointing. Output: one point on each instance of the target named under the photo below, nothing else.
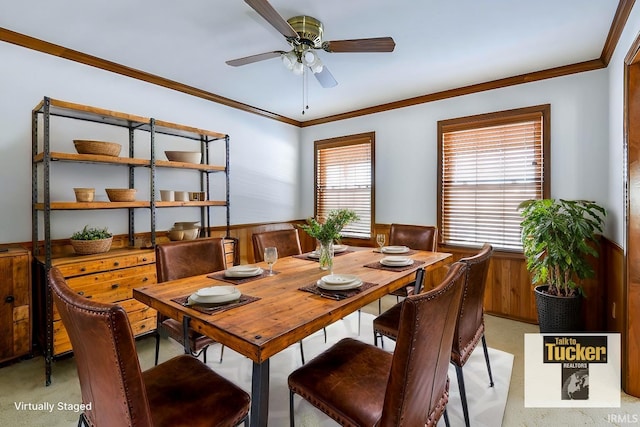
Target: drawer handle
(117, 263)
(83, 269)
(144, 259)
(9, 299)
(81, 293)
(115, 286)
(144, 279)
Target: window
(344, 176)
(488, 164)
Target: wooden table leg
(260, 394)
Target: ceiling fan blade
(267, 11)
(325, 78)
(254, 58)
(378, 44)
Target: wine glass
(380, 239)
(270, 257)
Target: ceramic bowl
(190, 233)
(184, 156)
(84, 194)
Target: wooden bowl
(84, 194)
(84, 146)
(121, 194)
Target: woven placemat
(346, 293)
(308, 258)
(219, 275)
(379, 266)
(244, 299)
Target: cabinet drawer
(115, 285)
(95, 264)
(61, 343)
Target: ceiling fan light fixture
(289, 60)
(311, 60)
(298, 68)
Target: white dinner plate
(339, 248)
(396, 261)
(395, 249)
(313, 254)
(338, 279)
(351, 285)
(215, 295)
(243, 272)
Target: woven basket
(88, 247)
(84, 146)
(558, 314)
(121, 194)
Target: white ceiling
(440, 44)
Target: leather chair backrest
(175, 260)
(417, 390)
(470, 323)
(287, 242)
(420, 237)
(105, 353)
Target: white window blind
(344, 180)
(486, 171)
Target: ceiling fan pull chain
(305, 91)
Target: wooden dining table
(281, 313)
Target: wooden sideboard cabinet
(108, 277)
(15, 306)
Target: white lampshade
(289, 60)
(298, 68)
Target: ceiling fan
(304, 34)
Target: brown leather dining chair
(287, 241)
(358, 384)
(469, 324)
(176, 260)
(388, 325)
(419, 237)
(182, 391)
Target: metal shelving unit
(43, 206)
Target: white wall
(264, 153)
(617, 160)
(406, 144)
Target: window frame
(343, 141)
(495, 119)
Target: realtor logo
(572, 370)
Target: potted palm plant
(558, 236)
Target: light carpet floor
(27, 383)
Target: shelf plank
(196, 166)
(92, 158)
(187, 204)
(92, 114)
(72, 206)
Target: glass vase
(326, 256)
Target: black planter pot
(558, 314)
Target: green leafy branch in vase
(330, 229)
